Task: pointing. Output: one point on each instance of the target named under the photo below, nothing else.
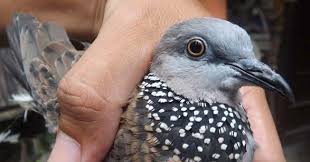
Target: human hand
(94, 90)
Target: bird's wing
(44, 53)
(133, 141)
(5, 88)
(10, 83)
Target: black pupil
(196, 46)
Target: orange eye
(196, 47)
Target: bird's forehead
(209, 27)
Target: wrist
(147, 19)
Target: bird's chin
(230, 97)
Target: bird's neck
(209, 94)
(189, 88)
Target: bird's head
(210, 59)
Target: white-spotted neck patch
(192, 130)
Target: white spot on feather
(173, 118)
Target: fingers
(265, 134)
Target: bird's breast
(183, 129)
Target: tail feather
(12, 67)
(7, 79)
(13, 31)
(44, 54)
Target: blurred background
(281, 35)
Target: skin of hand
(94, 91)
(269, 148)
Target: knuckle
(78, 100)
(69, 93)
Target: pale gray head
(210, 59)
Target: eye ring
(196, 47)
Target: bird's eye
(196, 47)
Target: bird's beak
(260, 74)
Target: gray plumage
(186, 109)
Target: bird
(187, 108)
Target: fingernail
(66, 149)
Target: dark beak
(261, 75)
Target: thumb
(66, 149)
